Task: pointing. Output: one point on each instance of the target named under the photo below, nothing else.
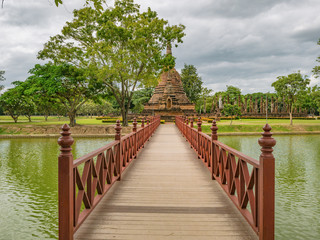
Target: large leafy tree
(120, 46)
(233, 93)
(290, 88)
(316, 69)
(68, 84)
(231, 110)
(11, 102)
(192, 83)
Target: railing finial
(142, 122)
(65, 141)
(191, 122)
(118, 131)
(214, 129)
(134, 124)
(199, 124)
(267, 142)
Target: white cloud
(243, 43)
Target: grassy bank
(255, 125)
(52, 120)
(238, 126)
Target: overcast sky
(243, 43)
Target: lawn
(52, 120)
(238, 126)
(255, 125)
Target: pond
(29, 183)
(297, 197)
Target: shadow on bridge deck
(166, 193)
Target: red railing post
(148, 128)
(143, 133)
(187, 128)
(191, 132)
(134, 129)
(266, 186)
(198, 138)
(117, 137)
(214, 137)
(65, 185)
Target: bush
(162, 121)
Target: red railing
(83, 182)
(248, 183)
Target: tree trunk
(205, 106)
(72, 118)
(290, 117)
(124, 114)
(231, 121)
(46, 117)
(29, 118)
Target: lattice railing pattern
(84, 181)
(248, 183)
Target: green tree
(290, 87)
(68, 84)
(316, 69)
(233, 93)
(96, 108)
(2, 78)
(11, 103)
(141, 97)
(120, 46)
(231, 110)
(28, 106)
(192, 83)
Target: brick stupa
(169, 99)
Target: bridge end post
(191, 129)
(117, 137)
(214, 137)
(65, 185)
(266, 181)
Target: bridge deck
(166, 193)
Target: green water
(29, 186)
(297, 207)
(29, 183)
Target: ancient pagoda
(169, 98)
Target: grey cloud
(231, 42)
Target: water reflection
(29, 184)
(297, 182)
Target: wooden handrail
(86, 186)
(252, 193)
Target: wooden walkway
(166, 193)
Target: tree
(231, 110)
(316, 69)
(2, 78)
(120, 46)
(192, 83)
(290, 87)
(11, 103)
(68, 84)
(141, 97)
(93, 108)
(233, 93)
(202, 101)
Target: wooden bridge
(167, 192)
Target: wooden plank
(167, 193)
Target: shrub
(162, 121)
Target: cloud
(243, 43)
